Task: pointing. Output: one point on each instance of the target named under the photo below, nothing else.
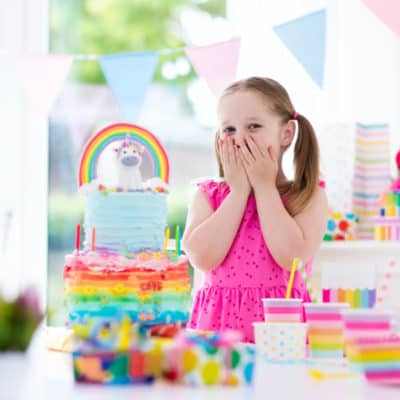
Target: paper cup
(281, 340)
(325, 329)
(282, 310)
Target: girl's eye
(254, 126)
(229, 130)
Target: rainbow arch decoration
(116, 132)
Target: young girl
(245, 231)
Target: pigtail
(306, 167)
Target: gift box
(378, 358)
(142, 363)
(204, 359)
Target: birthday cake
(125, 267)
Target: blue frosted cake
(125, 267)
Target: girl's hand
(261, 164)
(234, 171)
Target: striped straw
(306, 280)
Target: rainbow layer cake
(151, 288)
(126, 265)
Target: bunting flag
(305, 38)
(216, 63)
(388, 11)
(42, 77)
(129, 75)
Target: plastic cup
(283, 310)
(281, 340)
(325, 329)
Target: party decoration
(355, 298)
(216, 63)
(118, 132)
(341, 226)
(371, 175)
(129, 75)
(43, 77)
(305, 38)
(207, 359)
(387, 11)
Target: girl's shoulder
(214, 189)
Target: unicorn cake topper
(128, 161)
(132, 145)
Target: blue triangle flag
(305, 38)
(129, 76)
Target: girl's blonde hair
(298, 192)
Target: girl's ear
(288, 132)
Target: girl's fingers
(245, 152)
(223, 151)
(245, 156)
(231, 150)
(254, 149)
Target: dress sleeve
(214, 191)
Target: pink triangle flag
(388, 11)
(43, 76)
(216, 63)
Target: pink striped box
(283, 310)
(365, 323)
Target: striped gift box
(378, 358)
(371, 174)
(365, 323)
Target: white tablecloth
(47, 375)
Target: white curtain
(23, 154)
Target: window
(176, 109)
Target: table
(47, 375)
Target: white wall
(362, 82)
(23, 153)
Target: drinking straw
(291, 278)
(307, 282)
(167, 233)
(178, 240)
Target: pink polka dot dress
(232, 292)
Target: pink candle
(78, 238)
(93, 247)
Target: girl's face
(248, 113)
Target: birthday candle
(167, 233)
(78, 238)
(93, 247)
(178, 240)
